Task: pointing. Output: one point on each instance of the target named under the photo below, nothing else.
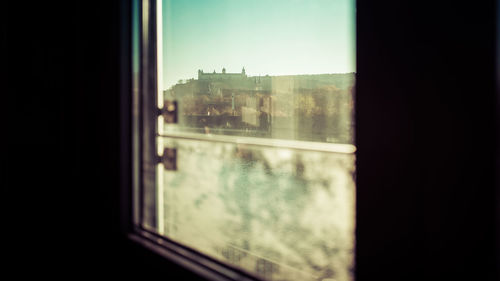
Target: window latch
(169, 159)
(169, 112)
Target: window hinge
(169, 159)
(169, 112)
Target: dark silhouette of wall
(426, 124)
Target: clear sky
(275, 37)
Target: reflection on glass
(274, 212)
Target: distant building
(221, 76)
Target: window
(243, 114)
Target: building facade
(221, 76)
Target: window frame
(141, 149)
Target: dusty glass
(283, 214)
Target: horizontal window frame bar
(338, 148)
(188, 258)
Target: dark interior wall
(62, 168)
(62, 211)
(425, 134)
(426, 140)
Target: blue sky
(275, 37)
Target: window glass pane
(283, 214)
(274, 69)
(258, 170)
